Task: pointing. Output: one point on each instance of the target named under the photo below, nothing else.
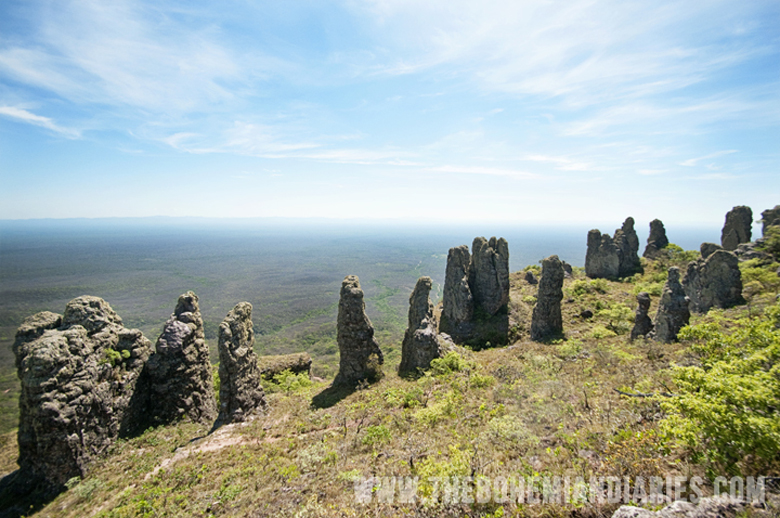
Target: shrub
(287, 381)
(451, 362)
(726, 408)
(376, 435)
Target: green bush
(451, 362)
(725, 409)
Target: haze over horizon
(433, 111)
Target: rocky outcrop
(656, 241)
(546, 320)
(673, 312)
(642, 322)
(722, 506)
(78, 373)
(530, 278)
(297, 363)
(707, 249)
(602, 259)
(489, 274)
(770, 218)
(457, 301)
(421, 343)
(476, 293)
(713, 282)
(628, 247)
(360, 358)
(178, 381)
(738, 227)
(567, 269)
(240, 391)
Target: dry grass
(528, 409)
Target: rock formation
(567, 269)
(722, 506)
(770, 218)
(713, 282)
(530, 278)
(656, 241)
(78, 373)
(602, 259)
(707, 249)
(240, 391)
(457, 302)
(421, 344)
(489, 274)
(476, 293)
(737, 228)
(360, 358)
(297, 363)
(673, 312)
(642, 322)
(178, 380)
(628, 246)
(546, 320)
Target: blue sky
(513, 111)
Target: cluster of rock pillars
(87, 380)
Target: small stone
(586, 314)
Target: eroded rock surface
(707, 249)
(546, 320)
(713, 282)
(738, 227)
(602, 259)
(457, 301)
(240, 391)
(673, 312)
(656, 241)
(78, 373)
(642, 322)
(489, 274)
(628, 246)
(421, 343)
(770, 218)
(360, 357)
(178, 381)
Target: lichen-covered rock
(421, 343)
(457, 301)
(713, 282)
(602, 259)
(722, 506)
(546, 320)
(489, 274)
(178, 381)
(297, 363)
(642, 322)
(240, 391)
(78, 374)
(673, 312)
(656, 241)
(628, 246)
(738, 227)
(707, 249)
(360, 358)
(770, 218)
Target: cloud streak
(21, 115)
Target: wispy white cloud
(489, 171)
(562, 163)
(22, 115)
(694, 161)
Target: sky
(526, 111)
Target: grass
(530, 409)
